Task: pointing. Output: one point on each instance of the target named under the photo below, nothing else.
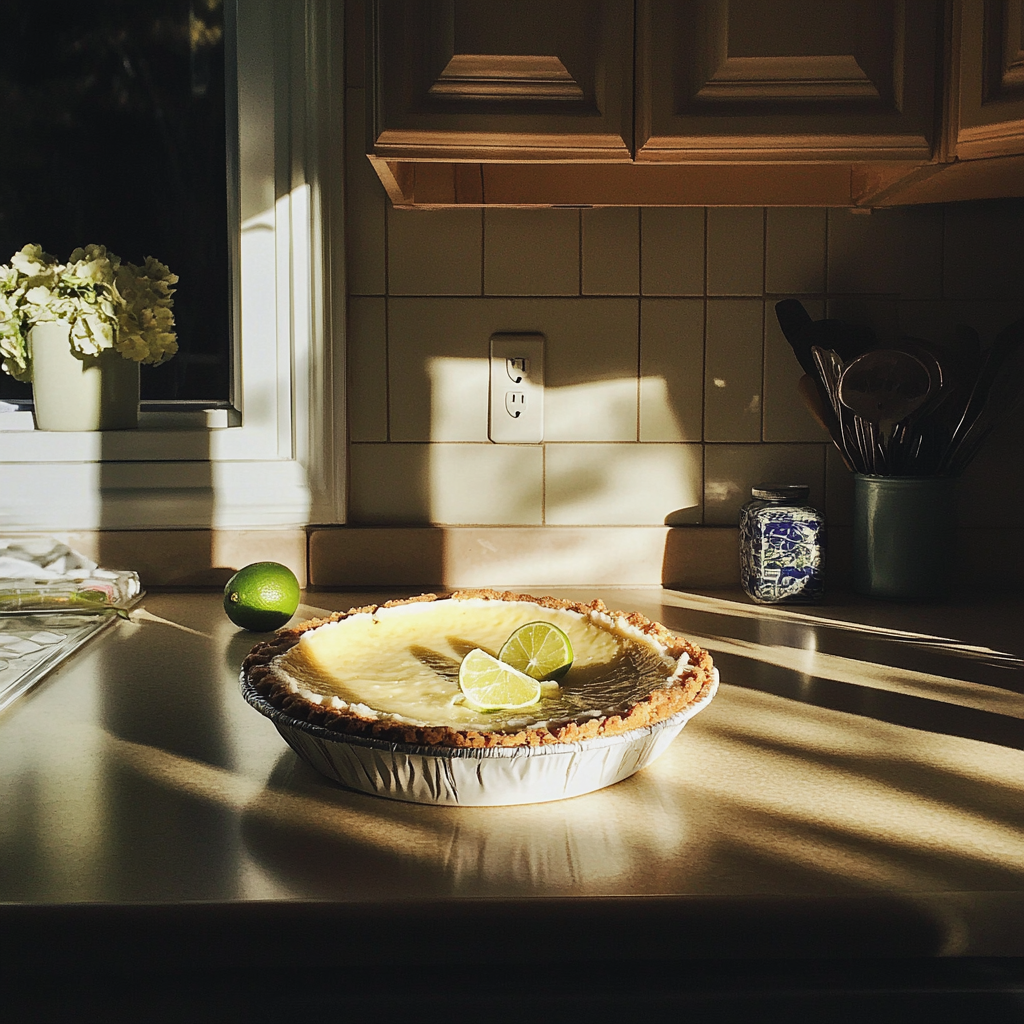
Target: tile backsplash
(670, 389)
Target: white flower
(106, 303)
(32, 261)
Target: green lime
(491, 685)
(262, 596)
(539, 649)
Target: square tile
(730, 470)
(937, 321)
(388, 483)
(590, 368)
(735, 250)
(366, 386)
(672, 250)
(610, 242)
(671, 369)
(880, 314)
(889, 251)
(920, 267)
(376, 557)
(786, 418)
(439, 369)
(732, 370)
(435, 252)
(446, 484)
(365, 201)
(795, 250)
(622, 484)
(486, 484)
(983, 254)
(531, 252)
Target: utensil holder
(903, 536)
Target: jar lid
(781, 492)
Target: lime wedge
(539, 649)
(490, 685)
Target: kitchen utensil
(830, 369)
(997, 391)
(795, 322)
(803, 333)
(884, 386)
(808, 387)
(906, 443)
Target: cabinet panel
(790, 80)
(523, 79)
(989, 102)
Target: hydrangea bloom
(107, 304)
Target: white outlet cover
(517, 389)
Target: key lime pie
(392, 672)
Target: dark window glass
(113, 115)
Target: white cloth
(42, 558)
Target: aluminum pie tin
(475, 776)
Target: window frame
(275, 456)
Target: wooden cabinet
(730, 102)
(742, 80)
(986, 114)
(521, 79)
(982, 146)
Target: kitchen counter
(855, 788)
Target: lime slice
(491, 685)
(539, 649)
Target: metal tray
(492, 776)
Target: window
(274, 455)
(115, 115)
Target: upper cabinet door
(729, 80)
(516, 80)
(988, 55)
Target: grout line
(387, 330)
(828, 214)
(942, 258)
(544, 484)
(640, 250)
(639, 363)
(704, 362)
(764, 312)
(579, 251)
(705, 252)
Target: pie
(391, 671)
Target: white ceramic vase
(74, 392)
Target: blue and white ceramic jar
(782, 546)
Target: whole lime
(262, 596)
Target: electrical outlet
(517, 389)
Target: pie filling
(402, 663)
(392, 672)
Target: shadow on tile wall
(670, 389)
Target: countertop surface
(858, 779)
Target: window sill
(154, 416)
